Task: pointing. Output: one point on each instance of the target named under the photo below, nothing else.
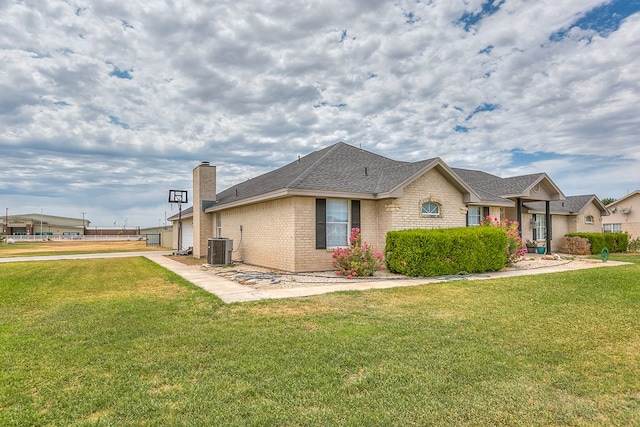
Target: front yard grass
(69, 247)
(125, 342)
(625, 257)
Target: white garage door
(187, 234)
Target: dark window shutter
(485, 213)
(321, 224)
(355, 214)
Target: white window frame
(430, 213)
(336, 223)
(612, 228)
(482, 213)
(218, 225)
(588, 219)
(539, 227)
(474, 213)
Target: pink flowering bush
(357, 260)
(516, 248)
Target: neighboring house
(624, 216)
(39, 224)
(187, 229)
(291, 218)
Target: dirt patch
(187, 259)
(261, 278)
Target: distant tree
(607, 200)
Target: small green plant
(634, 245)
(516, 248)
(357, 260)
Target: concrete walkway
(230, 291)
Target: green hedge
(424, 253)
(615, 242)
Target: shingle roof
(347, 169)
(186, 213)
(492, 187)
(339, 167)
(476, 179)
(573, 204)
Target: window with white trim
(539, 227)
(588, 219)
(430, 209)
(334, 220)
(476, 214)
(337, 223)
(612, 228)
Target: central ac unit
(219, 251)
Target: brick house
(576, 214)
(623, 217)
(290, 218)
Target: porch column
(519, 215)
(547, 213)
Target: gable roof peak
(623, 198)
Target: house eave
(547, 182)
(291, 192)
(552, 212)
(503, 204)
(622, 199)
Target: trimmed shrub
(615, 242)
(424, 253)
(575, 245)
(634, 245)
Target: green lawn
(626, 257)
(69, 247)
(125, 342)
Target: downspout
(547, 213)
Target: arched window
(588, 219)
(430, 209)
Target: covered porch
(534, 227)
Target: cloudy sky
(106, 105)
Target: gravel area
(263, 278)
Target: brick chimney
(204, 195)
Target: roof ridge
(525, 175)
(311, 168)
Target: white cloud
(115, 102)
